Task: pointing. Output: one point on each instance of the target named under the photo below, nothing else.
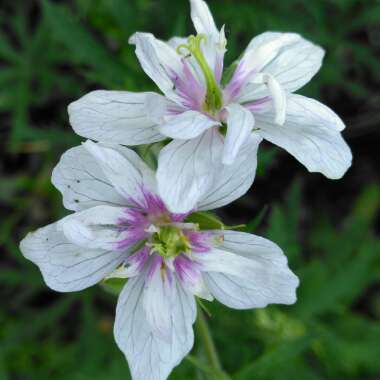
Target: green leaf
(265, 159)
(350, 262)
(324, 291)
(354, 344)
(284, 222)
(255, 222)
(7, 52)
(211, 374)
(274, 360)
(82, 46)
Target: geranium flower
(257, 94)
(122, 228)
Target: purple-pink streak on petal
(200, 241)
(236, 84)
(137, 261)
(145, 211)
(155, 264)
(134, 223)
(258, 104)
(188, 88)
(188, 271)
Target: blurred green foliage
(53, 52)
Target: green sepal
(223, 129)
(205, 221)
(228, 73)
(149, 152)
(113, 285)
(208, 221)
(203, 307)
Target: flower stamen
(169, 242)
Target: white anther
(152, 229)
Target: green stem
(208, 343)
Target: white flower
(258, 96)
(121, 228)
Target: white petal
(259, 277)
(95, 228)
(293, 67)
(159, 107)
(256, 57)
(311, 134)
(199, 289)
(186, 170)
(160, 61)
(252, 247)
(174, 42)
(234, 180)
(158, 300)
(115, 117)
(187, 125)
(214, 47)
(65, 266)
(82, 182)
(190, 276)
(123, 168)
(240, 122)
(133, 266)
(202, 19)
(149, 357)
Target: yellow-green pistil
(214, 96)
(170, 242)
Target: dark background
(51, 53)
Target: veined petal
(160, 61)
(149, 357)
(293, 66)
(252, 247)
(240, 123)
(190, 276)
(186, 170)
(234, 180)
(256, 57)
(158, 300)
(160, 108)
(95, 228)
(123, 168)
(82, 182)
(67, 267)
(311, 134)
(133, 266)
(119, 117)
(202, 19)
(219, 56)
(187, 125)
(214, 46)
(255, 279)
